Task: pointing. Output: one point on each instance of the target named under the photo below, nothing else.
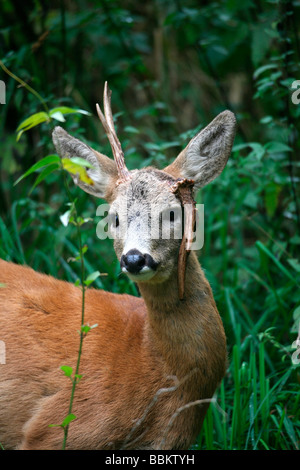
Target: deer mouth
(138, 266)
(146, 274)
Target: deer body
(150, 361)
(127, 359)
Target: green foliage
(38, 118)
(172, 67)
(66, 421)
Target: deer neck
(187, 333)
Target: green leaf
(260, 43)
(272, 191)
(295, 264)
(49, 160)
(84, 249)
(131, 130)
(32, 121)
(85, 329)
(67, 110)
(287, 82)
(81, 162)
(258, 150)
(65, 218)
(265, 250)
(291, 431)
(68, 419)
(251, 200)
(80, 220)
(266, 120)
(67, 370)
(38, 118)
(91, 278)
(277, 147)
(58, 116)
(77, 169)
(44, 173)
(263, 68)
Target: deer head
(140, 198)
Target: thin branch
(159, 392)
(185, 407)
(25, 85)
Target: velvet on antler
(183, 189)
(108, 124)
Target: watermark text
(2, 92)
(296, 94)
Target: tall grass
(258, 400)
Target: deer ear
(206, 155)
(104, 172)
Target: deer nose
(133, 261)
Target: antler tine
(108, 124)
(107, 106)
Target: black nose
(133, 261)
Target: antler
(108, 124)
(183, 188)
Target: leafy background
(172, 67)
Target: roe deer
(151, 360)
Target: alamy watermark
(296, 94)
(2, 352)
(152, 225)
(296, 345)
(2, 92)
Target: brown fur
(126, 360)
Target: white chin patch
(145, 274)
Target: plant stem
(24, 84)
(82, 335)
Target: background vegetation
(172, 66)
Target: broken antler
(183, 189)
(108, 124)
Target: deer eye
(170, 215)
(114, 220)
